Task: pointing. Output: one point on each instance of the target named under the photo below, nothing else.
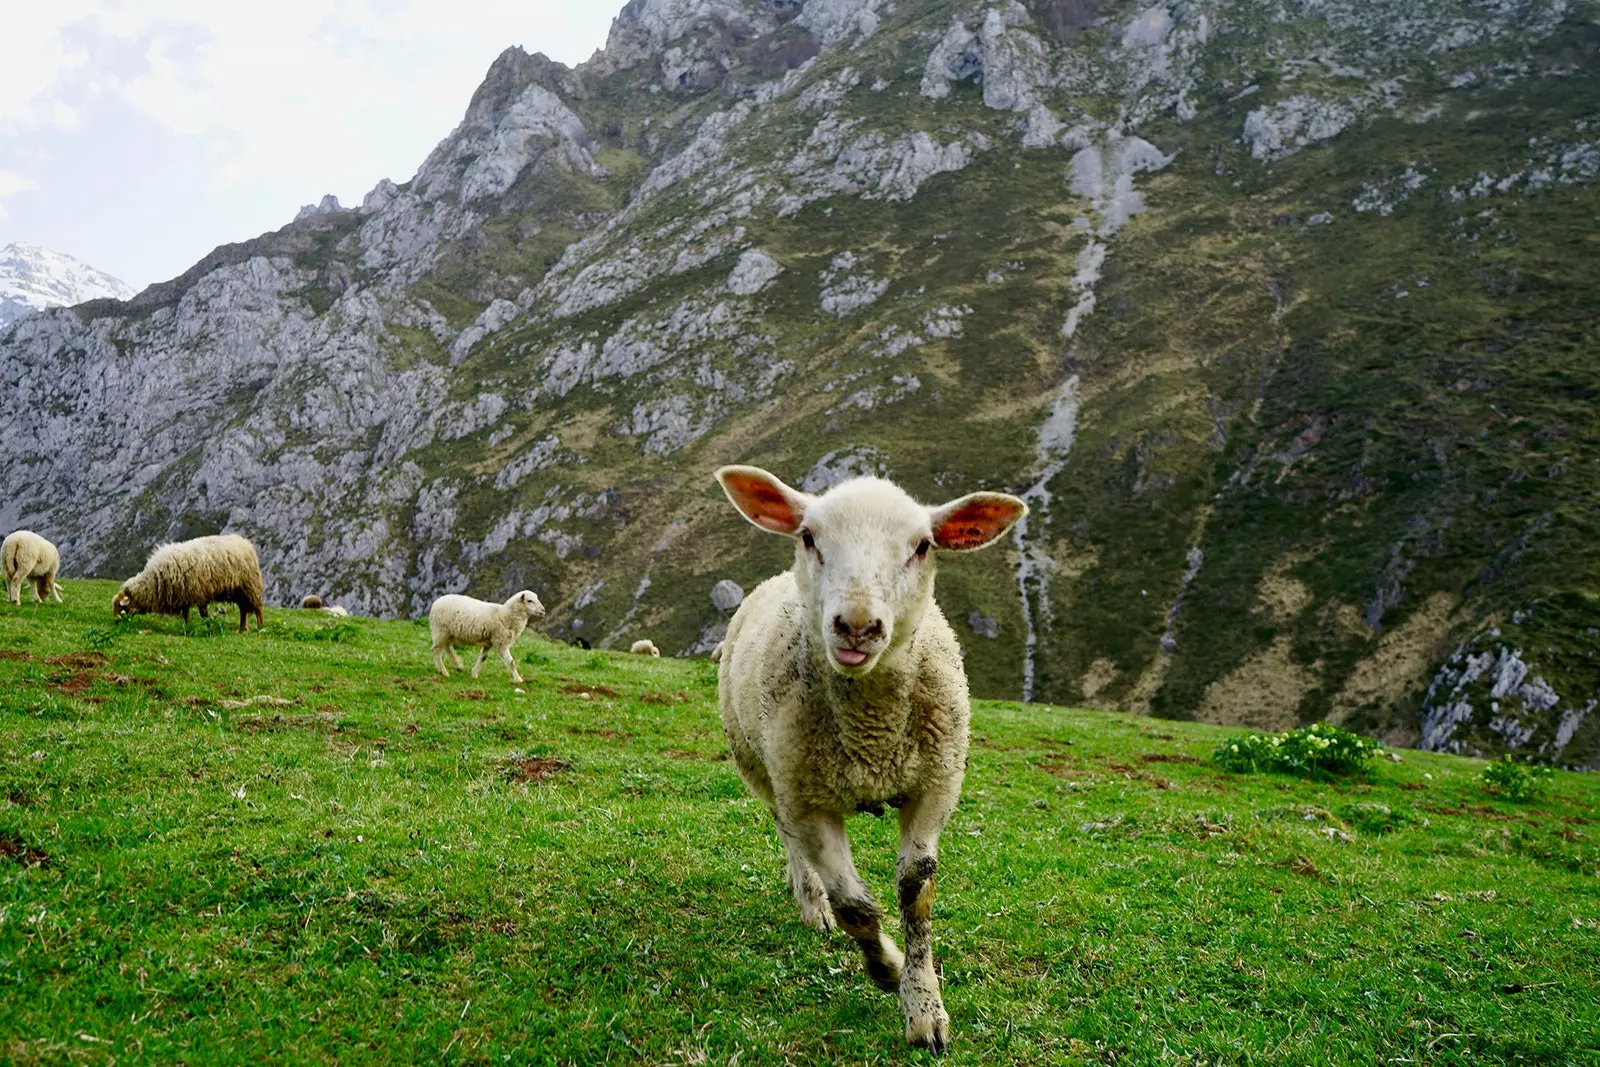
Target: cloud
(10, 185)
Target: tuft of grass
(1319, 749)
(1516, 779)
(242, 848)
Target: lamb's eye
(922, 548)
(807, 540)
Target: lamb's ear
(974, 520)
(763, 499)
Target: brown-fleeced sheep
(311, 603)
(27, 557)
(192, 574)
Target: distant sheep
(461, 620)
(310, 603)
(27, 557)
(841, 689)
(336, 611)
(193, 574)
(645, 647)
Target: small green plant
(1515, 779)
(101, 638)
(597, 662)
(1318, 749)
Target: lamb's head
(125, 602)
(528, 602)
(864, 558)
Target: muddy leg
(826, 849)
(927, 1023)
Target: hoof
(819, 918)
(931, 1032)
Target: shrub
(1515, 779)
(1320, 748)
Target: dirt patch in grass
(684, 753)
(79, 659)
(606, 733)
(259, 724)
(1168, 757)
(666, 700)
(13, 847)
(1477, 810)
(472, 694)
(533, 769)
(76, 683)
(1302, 866)
(14, 654)
(591, 690)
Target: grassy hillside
(394, 867)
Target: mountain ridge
(33, 278)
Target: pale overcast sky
(138, 136)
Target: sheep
(194, 573)
(336, 611)
(841, 689)
(310, 603)
(28, 558)
(461, 620)
(645, 647)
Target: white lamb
(28, 558)
(842, 689)
(644, 647)
(462, 620)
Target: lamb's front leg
(826, 848)
(927, 1023)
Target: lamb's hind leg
(921, 819)
(826, 850)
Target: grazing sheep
(27, 557)
(192, 574)
(646, 647)
(310, 603)
(461, 620)
(336, 611)
(842, 689)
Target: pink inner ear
(762, 503)
(975, 525)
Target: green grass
(362, 875)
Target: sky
(137, 135)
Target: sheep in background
(336, 611)
(310, 603)
(192, 574)
(27, 557)
(841, 689)
(645, 647)
(461, 620)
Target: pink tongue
(849, 657)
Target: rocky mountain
(1281, 313)
(33, 278)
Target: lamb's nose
(862, 629)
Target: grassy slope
(360, 877)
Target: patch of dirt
(328, 707)
(79, 659)
(472, 694)
(8, 653)
(1474, 809)
(592, 690)
(666, 700)
(604, 732)
(256, 724)
(1168, 757)
(530, 769)
(250, 702)
(77, 683)
(15, 848)
(410, 728)
(117, 679)
(684, 753)
(19, 798)
(1303, 867)
(1413, 786)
